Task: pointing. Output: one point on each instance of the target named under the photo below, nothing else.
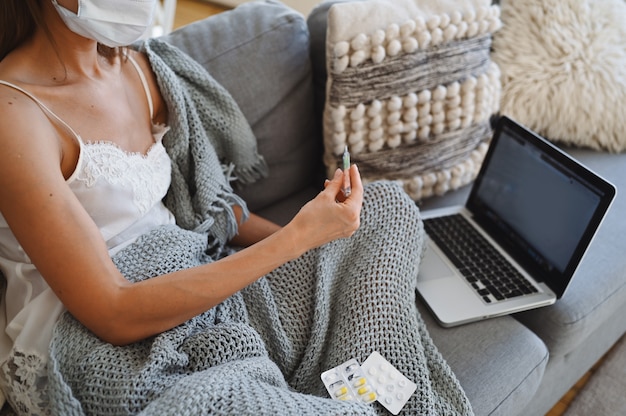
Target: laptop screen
(538, 203)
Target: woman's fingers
(356, 193)
(340, 180)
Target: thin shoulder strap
(144, 82)
(43, 107)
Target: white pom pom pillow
(411, 89)
(563, 65)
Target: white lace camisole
(122, 193)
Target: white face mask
(110, 22)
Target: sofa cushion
(409, 88)
(259, 52)
(563, 69)
(598, 289)
(499, 362)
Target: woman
(83, 172)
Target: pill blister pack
(375, 380)
(392, 388)
(347, 382)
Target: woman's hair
(18, 21)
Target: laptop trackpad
(433, 265)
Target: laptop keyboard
(485, 269)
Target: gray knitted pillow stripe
(422, 70)
(444, 151)
(262, 351)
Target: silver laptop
(516, 243)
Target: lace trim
(25, 380)
(127, 153)
(147, 175)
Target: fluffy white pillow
(563, 65)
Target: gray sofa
(267, 56)
(272, 63)
(270, 58)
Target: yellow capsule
(341, 391)
(359, 382)
(369, 397)
(363, 390)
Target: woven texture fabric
(411, 89)
(209, 137)
(262, 351)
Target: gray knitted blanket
(208, 136)
(262, 350)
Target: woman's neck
(58, 55)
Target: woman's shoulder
(18, 90)
(25, 127)
(19, 110)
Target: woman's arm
(68, 250)
(253, 230)
(174, 298)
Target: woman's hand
(330, 215)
